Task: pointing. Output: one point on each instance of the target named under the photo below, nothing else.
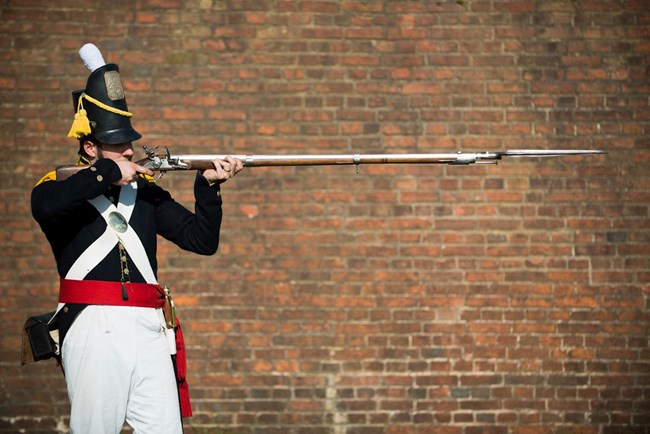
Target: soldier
(116, 326)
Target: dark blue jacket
(71, 224)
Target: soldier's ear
(90, 149)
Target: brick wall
(402, 299)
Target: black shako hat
(100, 108)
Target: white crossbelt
(98, 250)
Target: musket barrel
(328, 160)
(460, 158)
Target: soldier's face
(122, 151)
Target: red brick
(416, 299)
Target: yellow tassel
(81, 125)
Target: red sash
(140, 295)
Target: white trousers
(117, 367)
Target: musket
(164, 162)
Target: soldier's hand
(223, 169)
(130, 171)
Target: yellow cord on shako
(81, 125)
